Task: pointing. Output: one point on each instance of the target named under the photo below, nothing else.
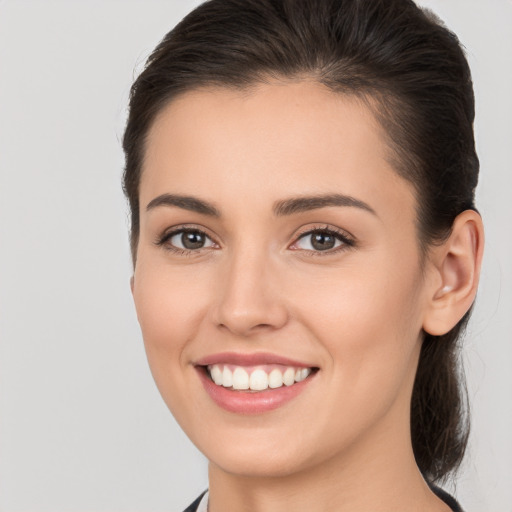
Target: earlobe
(457, 265)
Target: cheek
(368, 324)
(170, 308)
(368, 318)
(362, 300)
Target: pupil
(323, 241)
(192, 240)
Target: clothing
(449, 500)
(194, 507)
(201, 503)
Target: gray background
(82, 427)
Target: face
(278, 250)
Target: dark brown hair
(409, 69)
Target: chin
(266, 465)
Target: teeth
(301, 374)
(275, 379)
(216, 374)
(289, 377)
(258, 379)
(240, 379)
(227, 377)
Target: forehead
(272, 139)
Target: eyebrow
(281, 208)
(190, 203)
(302, 204)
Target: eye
(185, 240)
(323, 240)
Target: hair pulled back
(409, 69)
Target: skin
(357, 313)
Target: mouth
(256, 378)
(253, 384)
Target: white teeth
(275, 379)
(227, 377)
(289, 377)
(258, 379)
(301, 374)
(240, 379)
(216, 374)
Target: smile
(253, 383)
(256, 378)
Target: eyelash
(163, 240)
(347, 241)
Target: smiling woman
(306, 248)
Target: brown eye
(322, 240)
(192, 239)
(187, 239)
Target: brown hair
(409, 69)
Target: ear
(132, 283)
(456, 271)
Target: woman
(306, 248)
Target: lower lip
(245, 402)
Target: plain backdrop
(82, 426)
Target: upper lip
(258, 358)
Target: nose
(248, 299)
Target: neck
(377, 473)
